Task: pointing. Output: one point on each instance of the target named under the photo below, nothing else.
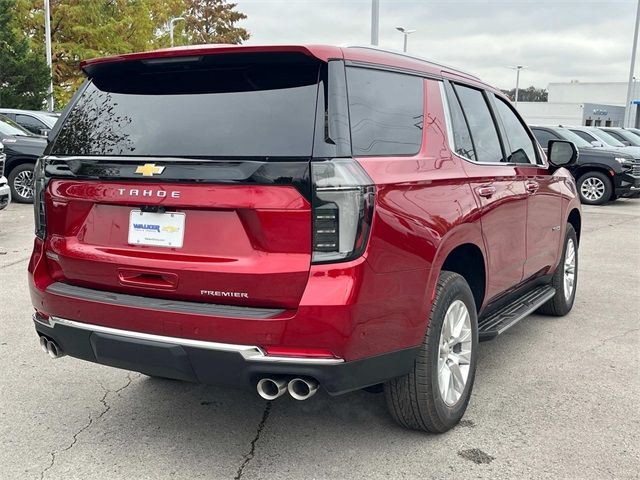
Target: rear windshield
(199, 109)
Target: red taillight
(343, 200)
(39, 184)
(298, 352)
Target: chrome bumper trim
(250, 353)
(4, 187)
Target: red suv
(294, 217)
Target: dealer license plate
(157, 229)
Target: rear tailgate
(241, 245)
(188, 180)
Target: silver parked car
(599, 138)
(626, 137)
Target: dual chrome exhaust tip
(298, 388)
(50, 347)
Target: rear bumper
(5, 193)
(239, 366)
(346, 309)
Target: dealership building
(578, 103)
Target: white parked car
(5, 191)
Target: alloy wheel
(454, 357)
(23, 184)
(592, 189)
(569, 269)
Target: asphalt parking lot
(553, 398)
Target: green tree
(212, 21)
(530, 94)
(83, 29)
(24, 75)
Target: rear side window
(481, 125)
(461, 136)
(617, 136)
(585, 136)
(543, 136)
(32, 124)
(386, 110)
(242, 108)
(520, 149)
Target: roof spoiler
(170, 55)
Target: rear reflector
(298, 352)
(42, 317)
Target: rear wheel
(565, 278)
(594, 188)
(21, 183)
(435, 394)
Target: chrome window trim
(250, 353)
(452, 148)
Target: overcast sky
(558, 40)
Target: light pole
(627, 108)
(517, 68)
(405, 33)
(47, 39)
(171, 22)
(375, 21)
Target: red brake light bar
(298, 352)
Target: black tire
(595, 177)
(559, 305)
(19, 172)
(414, 400)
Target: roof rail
(415, 57)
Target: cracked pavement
(553, 398)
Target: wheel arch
(467, 260)
(11, 164)
(462, 251)
(583, 169)
(575, 219)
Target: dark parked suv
(602, 174)
(38, 123)
(22, 149)
(289, 218)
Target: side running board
(496, 323)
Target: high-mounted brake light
(171, 60)
(343, 197)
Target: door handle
(532, 187)
(486, 191)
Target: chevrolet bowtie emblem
(149, 169)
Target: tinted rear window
(235, 109)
